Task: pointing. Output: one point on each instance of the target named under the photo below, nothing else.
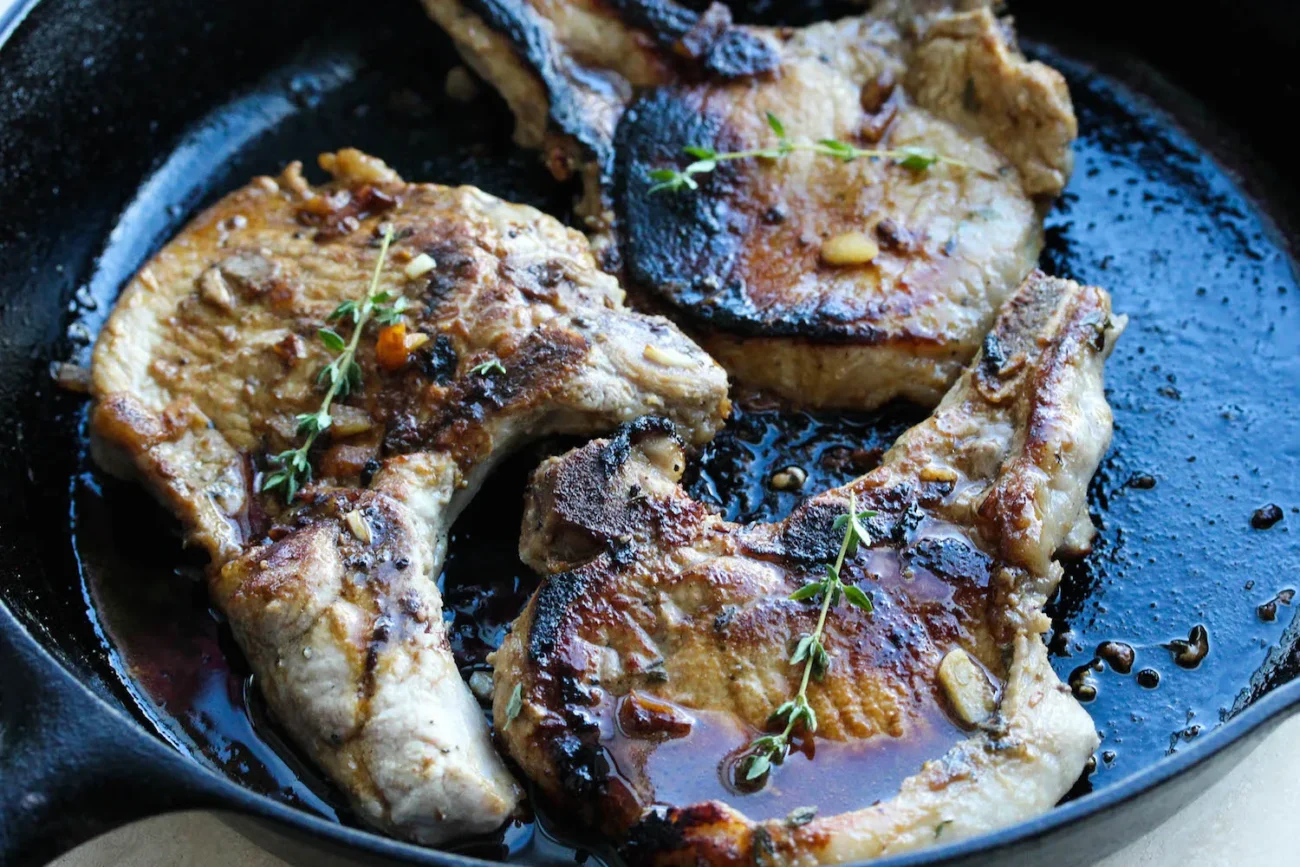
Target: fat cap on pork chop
(661, 642)
(211, 352)
(827, 283)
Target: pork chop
(825, 282)
(636, 683)
(513, 331)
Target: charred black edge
(679, 247)
(728, 52)
(583, 766)
(951, 559)
(616, 450)
(810, 537)
(532, 370)
(549, 611)
(524, 29)
(992, 358)
(561, 591)
(683, 248)
(657, 833)
(733, 53)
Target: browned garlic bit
(395, 346)
(788, 479)
(968, 690)
(71, 377)
(358, 525)
(480, 683)
(213, 290)
(349, 421)
(667, 357)
(849, 248)
(936, 473)
(419, 266)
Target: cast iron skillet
(121, 695)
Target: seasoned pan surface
(1193, 574)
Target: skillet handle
(71, 766)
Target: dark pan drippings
(180, 658)
(705, 764)
(1148, 215)
(660, 753)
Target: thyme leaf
(488, 368)
(339, 378)
(912, 157)
(332, 340)
(801, 816)
(769, 750)
(515, 704)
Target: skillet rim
(203, 787)
(13, 16)
(217, 792)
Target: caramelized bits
(395, 346)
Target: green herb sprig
(771, 750)
(340, 377)
(707, 159)
(488, 368)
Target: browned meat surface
(213, 349)
(615, 88)
(631, 685)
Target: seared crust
(740, 260)
(563, 100)
(665, 628)
(213, 349)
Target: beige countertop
(1234, 823)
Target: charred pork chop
(511, 332)
(829, 283)
(633, 687)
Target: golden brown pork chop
(639, 672)
(829, 283)
(212, 350)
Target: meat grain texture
(662, 622)
(612, 91)
(211, 352)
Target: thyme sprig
(773, 749)
(339, 378)
(707, 159)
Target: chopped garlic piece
(348, 421)
(936, 473)
(419, 266)
(967, 688)
(357, 524)
(213, 290)
(667, 357)
(480, 683)
(788, 479)
(850, 248)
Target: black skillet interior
(118, 120)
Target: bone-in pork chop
(828, 283)
(635, 681)
(512, 332)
